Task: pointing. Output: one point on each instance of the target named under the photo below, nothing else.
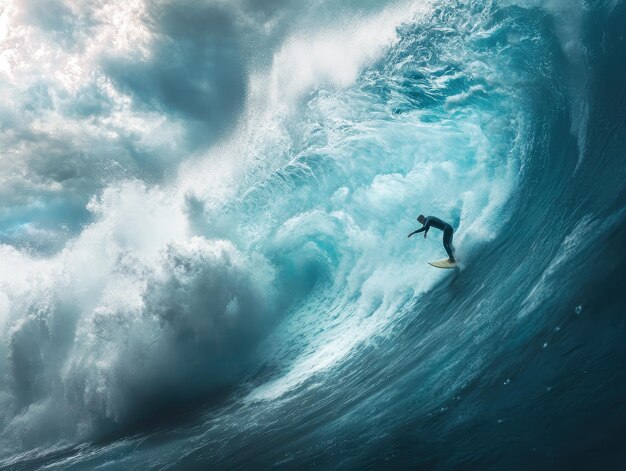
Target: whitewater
(261, 307)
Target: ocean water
(264, 309)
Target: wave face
(266, 309)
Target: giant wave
(268, 294)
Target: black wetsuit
(443, 226)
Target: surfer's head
(421, 219)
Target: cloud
(194, 70)
(98, 90)
(68, 128)
(49, 15)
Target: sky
(96, 91)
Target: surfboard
(443, 263)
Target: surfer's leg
(447, 242)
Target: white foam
(131, 309)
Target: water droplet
(557, 328)
(507, 382)
(545, 345)
(549, 388)
(578, 310)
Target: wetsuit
(443, 226)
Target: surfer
(441, 225)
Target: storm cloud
(96, 91)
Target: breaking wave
(275, 270)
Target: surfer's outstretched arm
(415, 232)
(424, 228)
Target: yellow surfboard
(444, 263)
